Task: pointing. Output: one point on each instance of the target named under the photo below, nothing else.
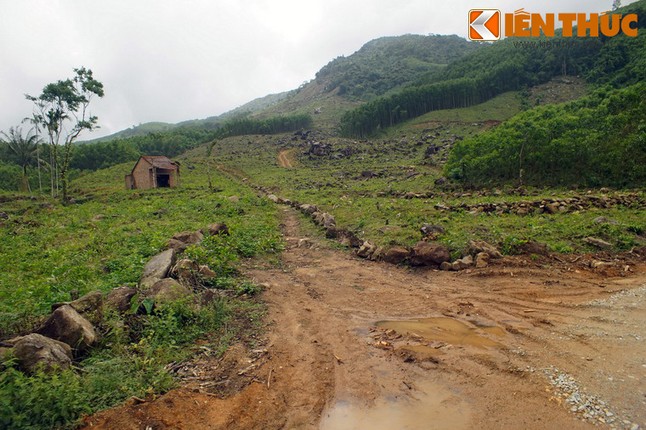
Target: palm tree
(23, 151)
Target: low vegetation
(101, 241)
(599, 140)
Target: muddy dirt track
(353, 344)
(283, 158)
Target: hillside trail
(355, 344)
(283, 158)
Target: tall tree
(23, 151)
(61, 111)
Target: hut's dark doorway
(163, 181)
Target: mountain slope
(508, 65)
(389, 62)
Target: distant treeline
(273, 125)
(415, 101)
(100, 155)
(598, 140)
(504, 66)
(176, 141)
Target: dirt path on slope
(284, 158)
(511, 346)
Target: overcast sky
(165, 60)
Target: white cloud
(166, 60)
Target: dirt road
(283, 159)
(354, 344)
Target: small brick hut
(153, 171)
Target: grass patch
(49, 252)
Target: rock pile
(544, 206)
(319, 217)
(70, 330)
(423, 253)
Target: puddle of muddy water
(447, 330)
(432, 407)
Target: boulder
(157, 268)
(167, 290)
(348, 238)
(534, 248)
(217, 228)
(478, 246)
(331, 232)
(328, 220)
(90, 306)
(36, 351)
(431, 230)
(396, 255)
(462, 263)
(366, 250)
(308, 209)
(186, 272)
(233, 199)
(177, 245)
(120, 298)
(70, 327)
(551, 208)
(378, 254)
(429, 254)
(446, 266)
(273, 198)
(482, 260)
(185, 268)
(317, 217)
(189, 237)
(207, 273)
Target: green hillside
(387, 63)
(508, 65)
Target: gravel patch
(636, 294)
(587, 407)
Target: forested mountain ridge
(390, 62)
(510, 64)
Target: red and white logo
(484, 25)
